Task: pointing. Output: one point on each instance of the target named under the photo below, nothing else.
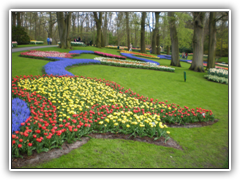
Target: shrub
(19, 35)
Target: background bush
(19, 35)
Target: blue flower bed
(58, 67)
(82, 51)
(169, 58)
(164, 56)
(20, 113)
(131, 56)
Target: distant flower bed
(36, 42)
(14, 43)
(124, 48)
(133, 64)
(141, 54)
(77, 43)
(47, 54)
(217, 75)
(217, 79)
(109, 55)
(218, 72)
(132, 56)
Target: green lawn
(204, 147)
(223, 59)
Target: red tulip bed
(65, 108)
(47, 54)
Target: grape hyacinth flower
(20, 113)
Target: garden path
(30, 48)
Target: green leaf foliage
(19, 35)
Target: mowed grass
(203, 147)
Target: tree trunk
(154, 35)
(35, 25)
(78, 23)
(212, 41)
(102, 40)
(99, 30)
(18, 19)
(143, 49)
(30, 25)
(105, 29)
(168, 50)
(64, 22)
(127, 29)
(157, 33)
(158, 44)
(39, 26)
(73, 23)
(197, 61)
(13, 18)
(50, 25)
(175, 61)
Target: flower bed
(47, 54)
(217, 75)
(14, 43)
(132, 64)
(64, 108)
(217, 67)
(218, 72)
(36, 42)
(58, 67)
(141, 54)
(20, 112)
(222, 64)
(77, 44)
(217, 79)
(131, 56)
(109, 55)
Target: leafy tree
(19, 34)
